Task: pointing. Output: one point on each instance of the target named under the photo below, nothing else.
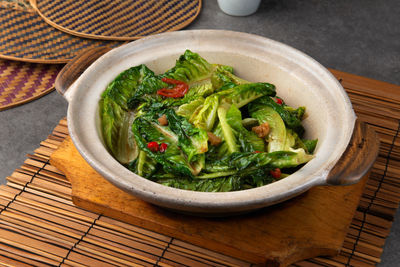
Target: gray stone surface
(359, 36)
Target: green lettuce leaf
(289, 159)
(192, 140)
(243, 94)
(310, 145)
(291, 118)
(190, 67)
(205, 117)
(189, 109)
(248, 140)
(116, 118)
(224, 184)
(126, 84)
(248, 161)
(227, 132)
(172, 160)
(277, 134)
(223, 77)
(145, 166)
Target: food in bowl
(200, 127)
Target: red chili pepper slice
(172, 81)
(163, 147)
(276, 173)
(153, 146)
(179, 90)
(278, 101)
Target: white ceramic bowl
(299, 79)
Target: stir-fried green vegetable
(200, 127)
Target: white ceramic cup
(239, 7)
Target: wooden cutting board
(307, 226)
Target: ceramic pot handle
(74, 68)
(358, 158)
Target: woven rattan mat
(25, 36)
(117, 19)
(22, 82)
(39, 225)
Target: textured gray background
(357, 36)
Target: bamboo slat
(39, 224)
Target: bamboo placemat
(22, 82)
(117, 19)
(25, 36)
(39, 225)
